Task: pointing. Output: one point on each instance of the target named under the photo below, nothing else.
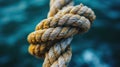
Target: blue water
(99, 47)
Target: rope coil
(52, 36)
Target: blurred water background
(99, 47)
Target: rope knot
(52, 36)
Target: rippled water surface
(99, 47)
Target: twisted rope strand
(56, 51)
(56, 5)
(52, 36)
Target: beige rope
(56, 5)
(52, 36)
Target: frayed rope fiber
(52, 36)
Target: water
(99, 47)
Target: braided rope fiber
(52, 36)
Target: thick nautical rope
(52, 36)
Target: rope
(52, 36)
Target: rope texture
(52, 36)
